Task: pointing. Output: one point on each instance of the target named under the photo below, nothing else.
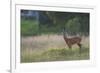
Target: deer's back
(74, 40)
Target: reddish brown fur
(72, 41)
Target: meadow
(42, 36)
(45, 48)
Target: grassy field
(51, 48)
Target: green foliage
(73, 25)
(29, 27)
(45, 29)
(72, 22)
(54, 22)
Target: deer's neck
(65, 36)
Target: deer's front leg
(70, 47)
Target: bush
(29, 27)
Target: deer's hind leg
(80, 45)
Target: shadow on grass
(56, 54)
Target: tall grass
(51, 48)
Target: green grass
(55, 54)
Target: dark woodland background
(50, 22)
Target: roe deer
(72, 41)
